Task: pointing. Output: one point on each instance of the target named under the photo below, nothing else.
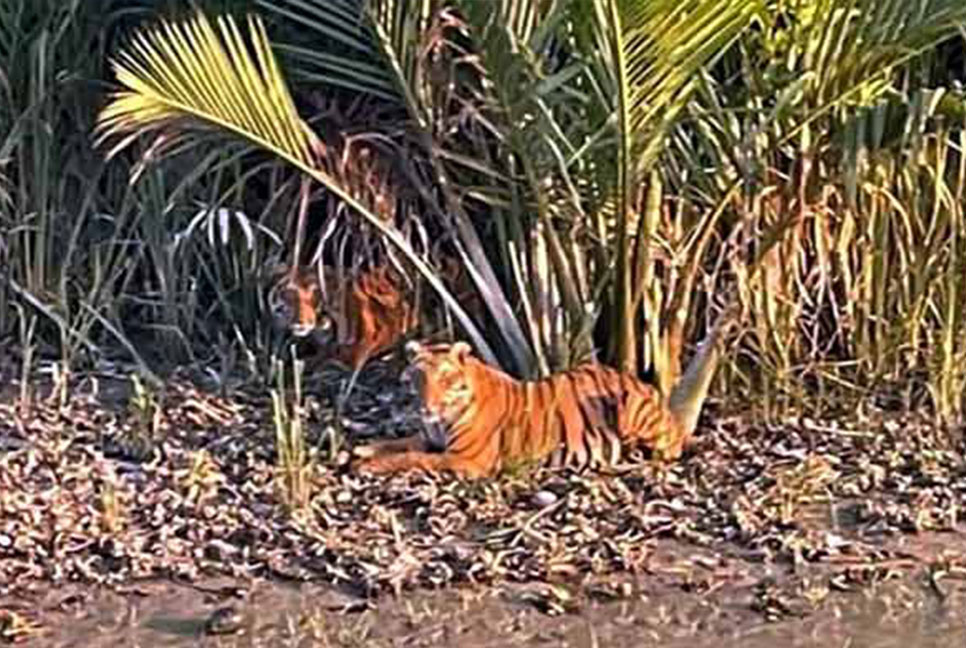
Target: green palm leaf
(182, 77)
(847, 52)
(652, 52)
(333, 45)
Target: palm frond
(332, 42)
(368, 47)
(179, 73)
(663, 45)
(182, 77)
(848, 52)
(650, 54)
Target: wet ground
(161, 518)
(900, 612)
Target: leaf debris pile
(196, 497)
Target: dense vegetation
(611, 171)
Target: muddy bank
(898, 612)
(108, 498)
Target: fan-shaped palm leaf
(180, 77)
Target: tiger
(478, 420)
(351, 321)
(359, 319)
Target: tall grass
(812, 159)
(116, 261)
(848, 231)
(293, 465)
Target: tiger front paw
(364, 451)
(369, 466)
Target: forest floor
(155, 518)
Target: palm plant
(171, 73)
(548, 117)
(542, 134)
(808, 114)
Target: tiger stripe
(581, 418)
(352, 322)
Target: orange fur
(479, 419)
(358, 319)
(353, 322)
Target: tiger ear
(462, 351)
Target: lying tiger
(352, 322)
(478, 419)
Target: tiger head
(445, 379)
(296, 306)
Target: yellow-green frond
(662, 44)
(192, 71)
(182, 76)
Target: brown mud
(894, 613)
(157, 520)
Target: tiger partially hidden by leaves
(356, 319)
(349, 321)
(478, 420)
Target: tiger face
(442, 377)
(296, 306)
(352, 320)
